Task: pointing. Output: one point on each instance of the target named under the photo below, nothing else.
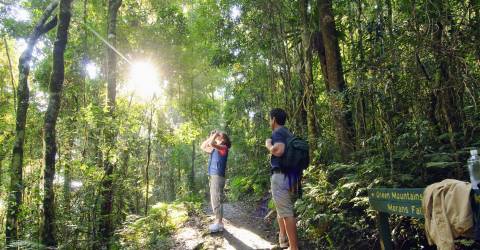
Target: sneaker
(215, 228)
(283, 241)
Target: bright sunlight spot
(235, 12)
(20, 14)
(185, 8)
(92, 70)
(20, 45)
(241, 238)
(143, 81)
(74, 184)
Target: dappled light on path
(243, 230)
(241, 238)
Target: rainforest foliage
(104, 104)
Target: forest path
(245, 228)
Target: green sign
(402, 201)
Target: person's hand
(268, 143)
(213, 134)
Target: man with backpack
(287, 163)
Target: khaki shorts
(282, 196)
(217, 196)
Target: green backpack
(295, 157)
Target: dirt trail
(244, 229)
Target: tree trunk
(50, 146)
(447, 105)
(476, 23)
(68, 176)
(192, 172)
(293, 92)
(16, 172)
(106, 220)
(335, 83)
(149, 153)
(1, 170)
(308, 85)
(10, 70)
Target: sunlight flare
(143, 80)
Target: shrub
(153, 230)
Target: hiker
(282, 187)
(217, 145)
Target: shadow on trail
(243, 230)
(232, 242)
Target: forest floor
(245, 228)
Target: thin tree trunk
(192, 170)
(308, 85)
(448, 110)
(149, 152)
(68, 176)
(50, 146)
(1, 173)
(335, 83)
(16, 172)
(192, 173)
(10, 69)
(292, 91)
(84, 78)
(106, 220)
(476, 23)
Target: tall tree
(446, 92)
(23, 93)
(149, 154)
(333, 75)
(106, 220)
(51, 115)
(307, 78)
(10, 70)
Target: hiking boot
(216, 227)
(283, 241)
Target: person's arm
(219, 147)
(207, 144)
(276, 149)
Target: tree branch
(38, 31)
(50, 25)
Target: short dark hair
(279, 114)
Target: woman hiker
(217, 145)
